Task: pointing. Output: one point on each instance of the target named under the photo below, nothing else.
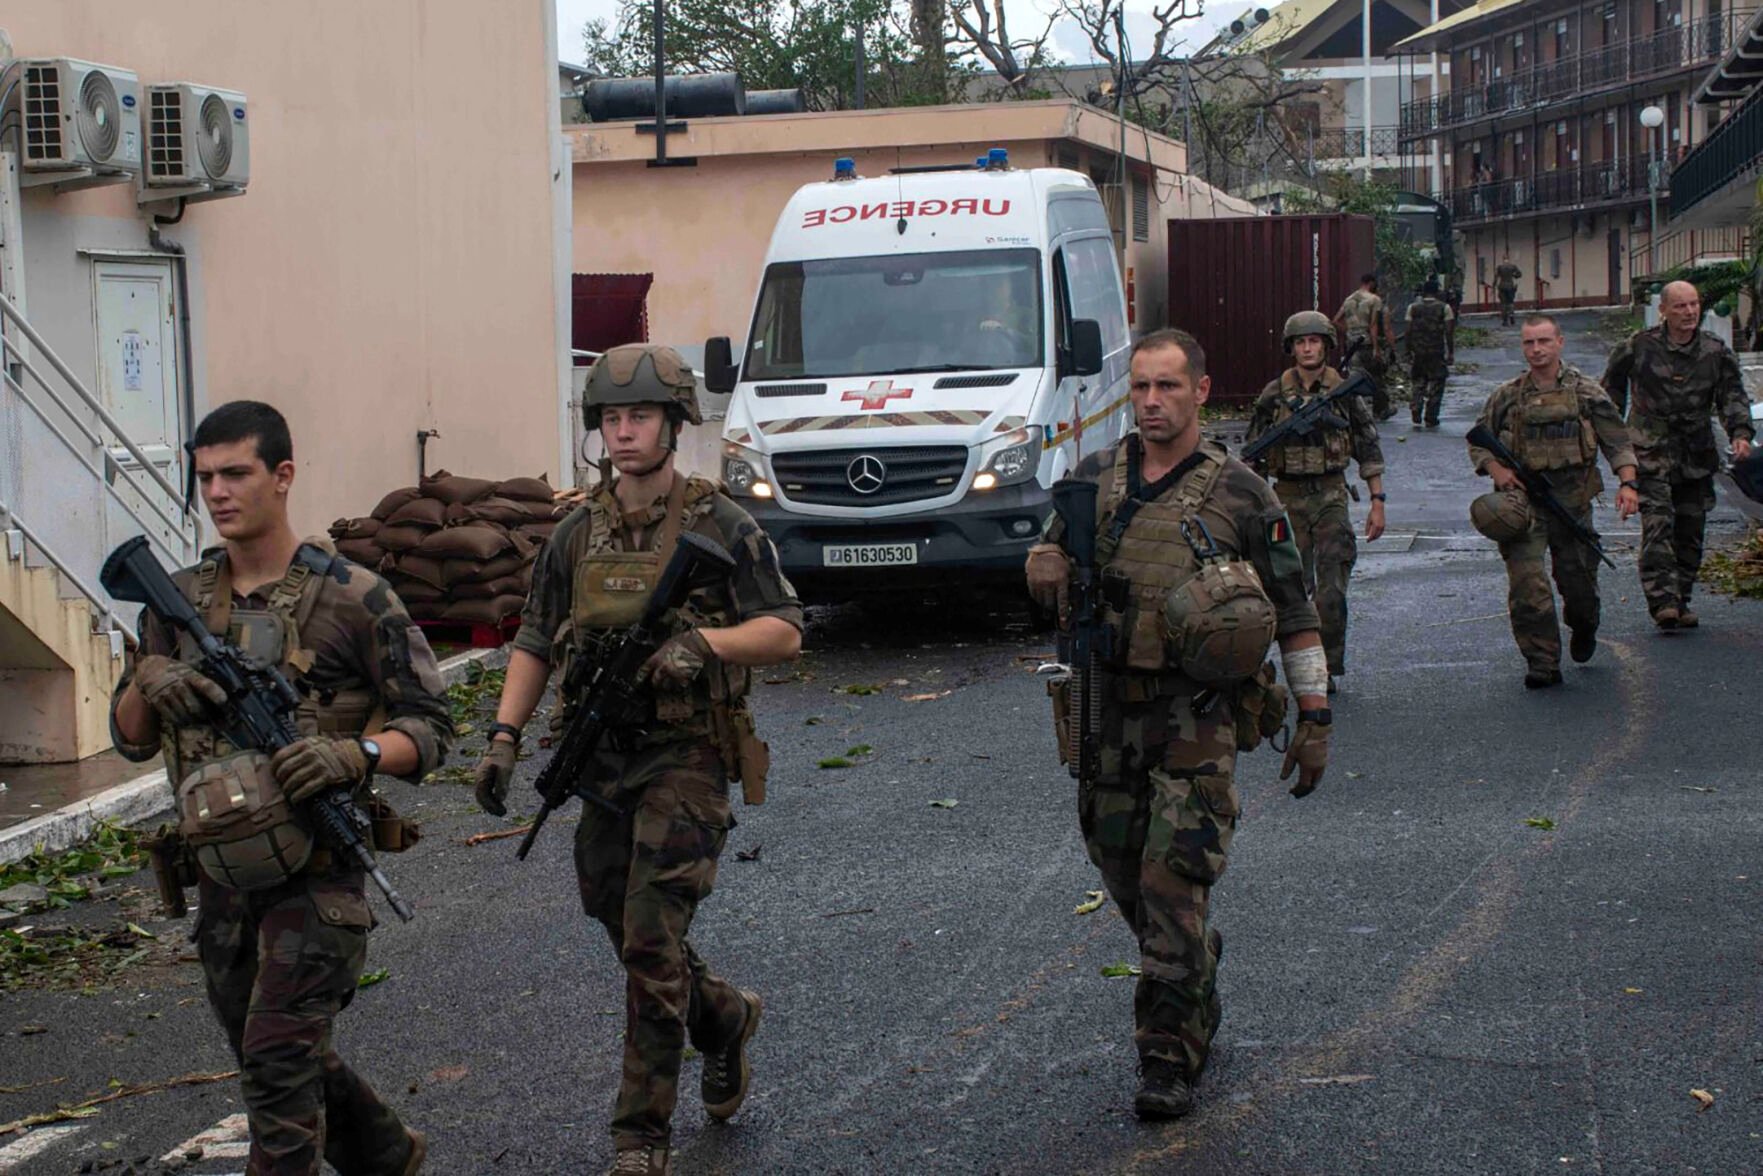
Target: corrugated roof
(1437, 36)
(1284, 23)
(1740, 71)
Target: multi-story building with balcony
(1545, 155)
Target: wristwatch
(1380, 496)
(373, 756)
(1631, 484)
(1322, 716)
(508, 729)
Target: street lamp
(1652, 117)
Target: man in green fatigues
(282, 950)
(1311, 476)
(1554, 420)
(1430, 354)
(1679, 376)
(1363, 321)
(642, 874)
(1506, 276)
(1159, 815)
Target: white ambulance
(930, 351)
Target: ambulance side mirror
(720, 373)
(1084, 347)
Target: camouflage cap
(641, 373)
(1308, 322)
(1501, 515)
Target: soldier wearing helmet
(282, 935)
(1364, 320)
(1555, 420)
(643, 874)
(1199, 576)
(1310, 475)
(1430, 353)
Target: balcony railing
(1730, 151)
(1595, 183)
(1349, 143)
(1697, 42)
(1689, 247)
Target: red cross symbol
(878, 395)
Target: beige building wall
(391, 267)
(1566, 260)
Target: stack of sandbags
(455, 548)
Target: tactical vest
(1324, 450)
(1152, 558)
(231, 810)
(1426, 330)
(1548, 431)
(611, 586)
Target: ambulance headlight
(1014, 460)
(744, 473)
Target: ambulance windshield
(921, 312)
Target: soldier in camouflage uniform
(1159, 815)
(643, 874)
(282, 959)
(1555, 420)
(1678, 375)
(1506, 276)
(1363, 320)
(1430, 353)
(1310, 475)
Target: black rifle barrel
(1536, 488)
(1314, 412)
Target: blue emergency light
(998, 158)
(844, 168)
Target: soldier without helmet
(1159, 815)
(1431, 324)
(282, 932)
(642, 874)
(1364, 320)
(1555, 420)
(1310, 475)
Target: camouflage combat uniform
(1558, 432)
(1158, 819)
(282, 962)
(643, 875)
(1506, 276)
(1675, 389)
(1311, 480)
(1362, 313)
(1429, 324)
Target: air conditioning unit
(198, 142)
(79, 123)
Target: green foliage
(1719, 283)
(1737, 571)
(113, 851)
(475, 696)
(71, 956)
(1401, 263)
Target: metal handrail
(10, 521)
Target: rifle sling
(1140, 494)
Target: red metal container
(1233, 283)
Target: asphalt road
(1416, 979)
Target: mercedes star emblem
(866, 474)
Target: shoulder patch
(1282, 549)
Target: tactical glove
(1049, 578)
(678, 661)
(317, 763)
(494, 772)
(179, 694)
(1308, 752)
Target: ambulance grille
(822, 477)
(789, 390)
(995, 380)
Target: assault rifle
(1536, 488)
(1088, 642)
(260, 706)
(607, 686)
(1315, 413)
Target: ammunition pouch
(1259, 707)
(1059, 689)
(391, 833)
(745, 756)
(174, 870)
(245, 834)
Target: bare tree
(985, 29)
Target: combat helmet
(1501, 515)
(1308, 322)
(642, 373)
(1217, 624)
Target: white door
(138, 385)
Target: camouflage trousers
(1157, 823)
(1508, 300)
(1674, 515)
(1529, 599)
(642, 877)
(1429, 390)
(1317, 509)
(280, 964)
(1362, 362)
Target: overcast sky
(1027, 17)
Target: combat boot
(1541, 679)
(642, 1160)
(1164, 1092)
(1667, 618)
(726, 1072)
(1583, 645)
(1687, 619)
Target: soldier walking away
(1431, 328)
(1159, 813)
(282, 933)
(1363, 320)
(643, 870)
(1310, 475)
(1555, 420)
(1670, 379)
(1506, 276)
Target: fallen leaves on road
(1703, 1097)
(947, 803)
(1117, 971)
(495, 835)
(1093, 900)
(1540, 822)
(1694, 788)
(377, 976)
(1336, 1080)
(31, 1085)
(852, 911)
(87, 1109)
(1634, 991)
(448, 1074)
(749, 855)
(931, 697)
(832, 762)
(857, 688)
